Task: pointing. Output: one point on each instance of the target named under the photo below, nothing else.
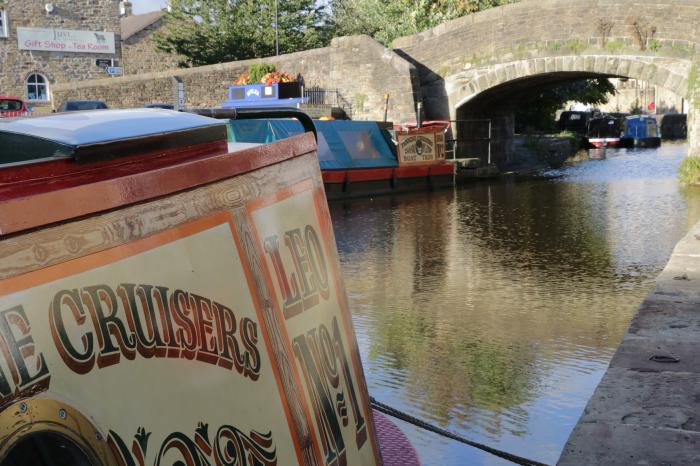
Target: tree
(216, 31)
(538, 110)
(385, 20)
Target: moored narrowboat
(603, 131)
(641, 131)
(364, 158)
(149, 310)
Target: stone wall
(140, 55)
(87, 15)
(360, 68)
(538, 28)
(534, 41)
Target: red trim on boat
(55, 170)
(334, 176)
(412, 172)
(442, 169)
(370, 174)
(36, 202)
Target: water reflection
(493, 310)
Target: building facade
(44, 42)
(139, 51)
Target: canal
(494, 309)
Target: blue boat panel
(341, 144)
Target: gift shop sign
(64, 40)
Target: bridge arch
(465, 86)
(533, 42)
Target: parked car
(11, 106)
(80, 105)
(164, 106)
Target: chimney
(125, 8)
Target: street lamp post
(277, 32)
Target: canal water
(493, 309)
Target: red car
(11, 106)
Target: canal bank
(646, 408)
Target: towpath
(646, 409)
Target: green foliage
(359, 102)
(538, 109)
(386, 20)
(256, 71)
(576, 45)
(654, 45)
(689, 171)
(614, 45)
(215, 31)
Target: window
(4, 29)
(37, 87)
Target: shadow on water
(494, 309)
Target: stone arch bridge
(482, 65)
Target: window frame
(37, 84)
(4, 28)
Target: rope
(381, 407)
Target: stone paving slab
(645, 412)
(646, 399)
(636, 354)
(666, 320)
(613, 444)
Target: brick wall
(85, 15)
(359, 67)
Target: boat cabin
(641, 131)
(167, 297)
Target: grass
(614, 45)
(689, 171)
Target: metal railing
(321, 96)
(473, 139)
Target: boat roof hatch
(104, 134)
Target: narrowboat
(641, 131)
(574, 121)
(674, 126)
(170, 297)
(363, 158)
(603, 131)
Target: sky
(144, 6)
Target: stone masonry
(651, 40)
(360, 68)
(58, 67)
(139, 52)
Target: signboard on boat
(420, 146)
(214, 330)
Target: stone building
(139, 52)
(44, 42)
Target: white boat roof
(100, 126)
